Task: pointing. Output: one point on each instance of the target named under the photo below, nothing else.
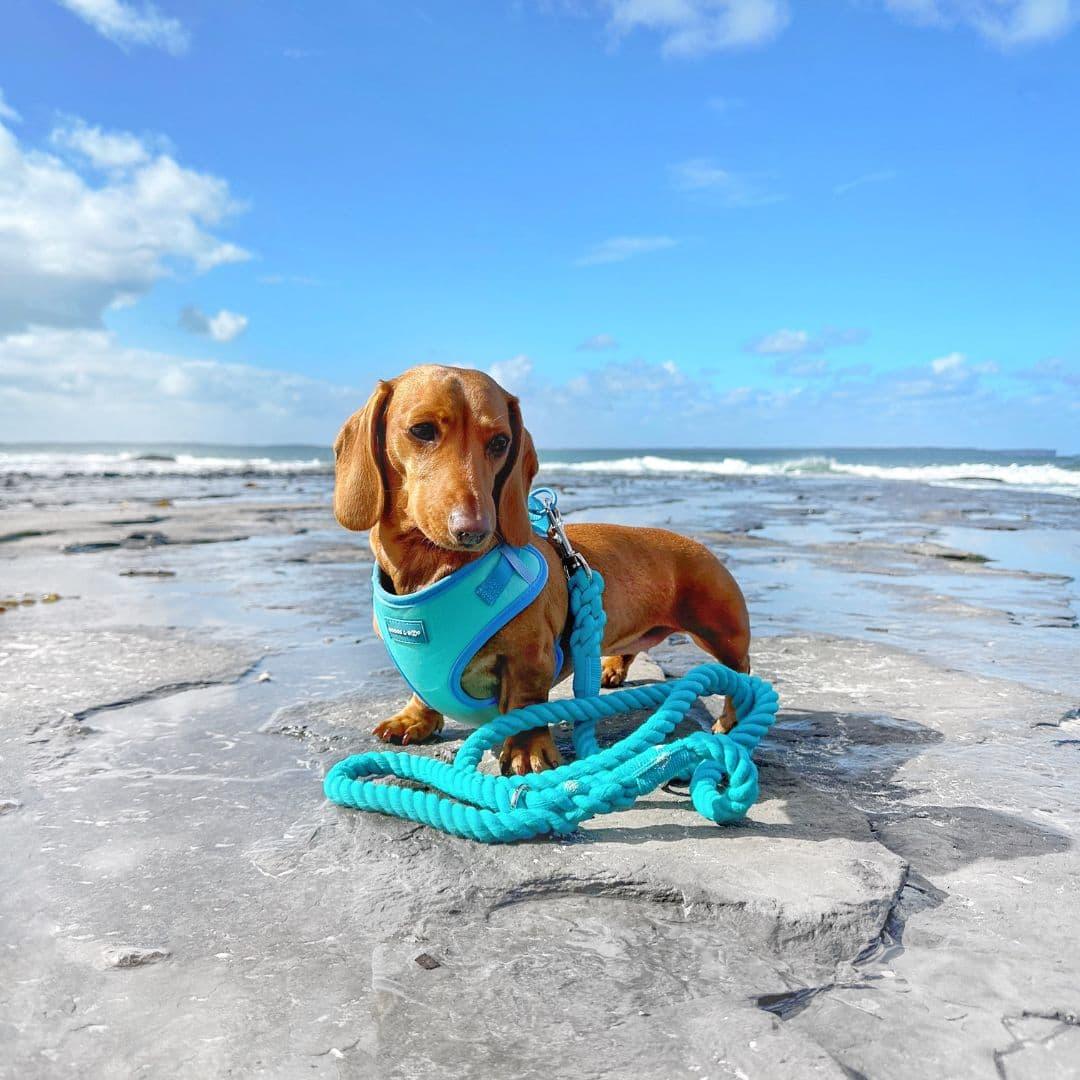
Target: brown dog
(437, 465)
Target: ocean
(41, 474)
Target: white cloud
(224, 326)
(951, 362)
(620, 248)
(632, 403)
(695, 27)
(7, 112)
(798, 342)
(83, 385)
(721, 104)
(880, 177)
(74, 242)
(733, 189)
(955, 366)
(127, 24)
(780, 343)
(90, 225)
(598, 343)
(107, 150)
(514, 374)
(1005, 23)
(659, 387)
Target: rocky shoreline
(177, 899)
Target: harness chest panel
(432, 635)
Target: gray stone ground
(177, 898)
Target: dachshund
(437, 467)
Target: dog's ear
(514, 480)
(359, 482)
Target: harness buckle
(572, 559)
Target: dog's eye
(499, 444)
(423, 432)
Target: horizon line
(1026, 450)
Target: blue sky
(662, 222)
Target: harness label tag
(408, 631)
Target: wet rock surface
(177, 898)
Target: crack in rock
(785, 1006)
(140, 540)
(1035, 1032)
(166, 690)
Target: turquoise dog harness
(433, 634)
(497, 809)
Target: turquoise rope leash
(499, 809)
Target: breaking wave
(1045, 477)
(55, 462)
(58, 464)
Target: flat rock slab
(177, 898)
(57, 675)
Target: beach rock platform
(177, 898)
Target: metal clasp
(572, 559)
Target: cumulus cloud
(780, 343)
(731, 188)
(620, 248)
(98, 222)
(614, 403)
(82, 384)
(690, 28)
(956, 364)
(800, 342)
(950, 362)
(128, 24)
(598, 343)
(1004, 23)
(107, 150)
(617, 403)
(224, 326)
(514, 374)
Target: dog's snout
(469, 530)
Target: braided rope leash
(499, 809)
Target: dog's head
(442, 450)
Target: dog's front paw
(414, 724)
(613, 671)
(529, 751)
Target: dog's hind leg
(714, 613)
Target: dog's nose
(469, 530)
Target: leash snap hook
(572, 559)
